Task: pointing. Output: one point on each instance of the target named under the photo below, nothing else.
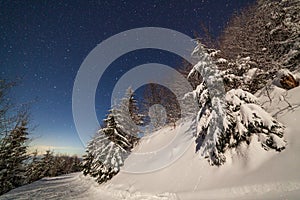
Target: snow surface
(252, 173)
(76, 186)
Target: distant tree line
(49, 165)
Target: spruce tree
(76, 164)
(127, 118)
(33, 169)
(13, 154)
(108, 149)
(106, 152)
(88, 158)
(48, 164)
(225, 120)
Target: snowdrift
(252, 173)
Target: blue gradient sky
(45, 42)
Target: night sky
(45, 42)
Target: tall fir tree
(13, 154)
(225, 120)
(48, 164)
(109, 148)
(34, 168)
(106, 152)
(128, 118)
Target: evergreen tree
(226, 123)
(34, 169)
(61, 165)
(13, 154)
(106, 152)
(88, 158)
(127, 118)
(76, 164)
(118, 131)
(211, 116)
(48, 164)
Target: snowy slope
(181, 174)
(255, 173)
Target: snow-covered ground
(75, 186)
(252, 174)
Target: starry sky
(45, 42)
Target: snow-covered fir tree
(127, 117)
(88, 158)
(106, 152)
(48, 164)
(225, 120)
(34, 168)
(249, 118)
(108, 149)
(13, 154)
(211, 117)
